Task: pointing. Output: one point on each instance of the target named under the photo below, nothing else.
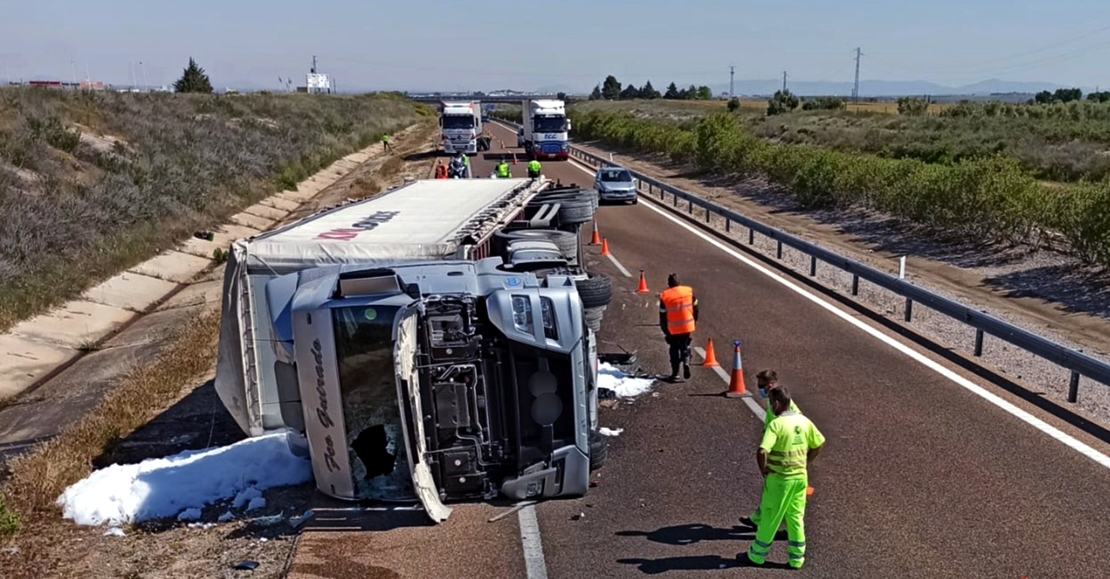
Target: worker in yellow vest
(678, 316)
(766, 380)
(503, 171)
(533, 169)
(790, 442)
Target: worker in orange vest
(441, 170)
(678, 316)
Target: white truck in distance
(461, 124)
(544, 128)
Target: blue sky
(481, 44)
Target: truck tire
(566, 242)
(593, 318)
(599, 449)
(595, 291)
(576, 212)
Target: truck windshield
(466, 122)
(364, 360)
(555, 124)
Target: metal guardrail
(1076, 361)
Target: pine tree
(672, 92)
(193, 80)
(596, 94)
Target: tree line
(612, 90)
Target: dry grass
(108, 180)
(39, 477)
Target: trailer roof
(427, 219)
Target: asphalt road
(919, 477)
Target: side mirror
(568, 125)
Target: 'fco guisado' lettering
(322, 406)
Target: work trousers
(783, 499)
(679, 350)
(533, 174)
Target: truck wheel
(566, 242)
(595, 291)
(599, 449)
(577, 211)
(593, 318)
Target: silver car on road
(615, 184)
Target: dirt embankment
(107, 180)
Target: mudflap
(412, 426)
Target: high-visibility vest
(503, 170)
(534, 165)
(678, 303)
(787, 441)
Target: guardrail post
(909, 309)
(1073, 387)
(675, 195)
(751, 236)
(707, 214)
(728, 224)
(689, 207)
(978, 342)
(812, 265)
(778, 250)
(855, 284)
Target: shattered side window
(364, 359)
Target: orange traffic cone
(809, 490)
(643, 284)
(514, 157)
(736, 387)
(605, 246)
(710, 357)
(596, 238)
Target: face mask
(762, 393)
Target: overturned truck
(434, 343)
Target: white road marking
(1068, 440)
(613, 259)
(534, 562)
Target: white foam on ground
(182, 484)
(613, 379)
(605, 431)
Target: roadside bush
(183, 162)
(824, 104)
(912, 107)
(988, 197)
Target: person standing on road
(789, 444)
(678, 316)
(441, 170)
(766, 380)
(533, 169)
(503, 171)
(385, 143)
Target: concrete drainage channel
(37, 351)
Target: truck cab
(461, 130)
(444, 381)
(544, 129)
